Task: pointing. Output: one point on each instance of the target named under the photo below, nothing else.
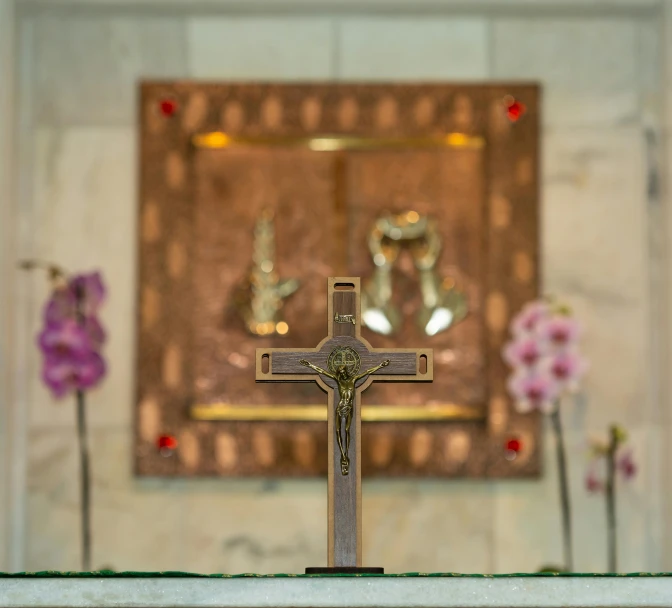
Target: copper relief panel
(252, 195)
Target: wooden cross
(344, 365)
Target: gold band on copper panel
(318, 413)
(335, 143)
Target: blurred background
(69, 193)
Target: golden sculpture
(261, 295)
(344, 318)
(343, 364)
(443, 305)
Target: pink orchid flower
(625, 463)
(524, 351)
(527, 320)
(560, 331)
(567, 368)
(533, 390)
(593, 482)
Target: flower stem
(564, 490)
(84, 469)
(84, 481)
(611, 500)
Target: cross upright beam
(344, 364)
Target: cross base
(345, 570)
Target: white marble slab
(650, 69)
(631, 6)
(8, 468)
(588, 67)
(87, 67)
(596, 71)
(527, 529)
(428, 525)
(596, 257)
(260, 48)
(415, 48)
(247, 525)
(84, 218)
(239, 525)
(135, 524)
(552, 592)
(282, 526)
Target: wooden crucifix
(344, 365)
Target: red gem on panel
(514, 445)
(167, 444)
(514, 108)
(511, 448)
(168, 107)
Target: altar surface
(175, 589)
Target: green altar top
(177, 574)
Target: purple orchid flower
(66, 374)
(94, 330)
(65, 339)
(84, 293)
(90, 290)
(61, 305)
(70, 341)
(73, 336)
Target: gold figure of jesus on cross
(341, 362)
(335, 365)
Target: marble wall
(78, 172)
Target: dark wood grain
(347, 520)
(401, 363)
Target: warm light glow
(333, 143)
(282, 328)
(441, 319)
(263, 329)
(324, 144)
(412, 217)
(214, 139)
(376, 320)
(370, 413)
(458, 140)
